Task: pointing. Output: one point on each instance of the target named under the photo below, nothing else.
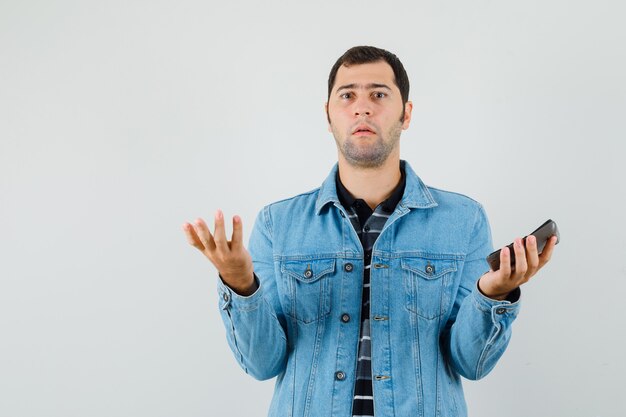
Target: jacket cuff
(229, 299)
(499, 309)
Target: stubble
(361, 154)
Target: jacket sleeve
(253, 331)
(479, 328)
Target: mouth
(363, 130)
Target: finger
(219, 235)
(192, 237)
(237, 239)
(546, 254)
(532, 257)
(203, 233)
(505, 263)
(520, 259)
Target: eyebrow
(361, 86)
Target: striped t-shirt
(368, 224)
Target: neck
(374, 185)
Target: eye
(379, 94)
(345, 96)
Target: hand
(231, 259)
(498, 284)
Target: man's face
(365, 114)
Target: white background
(120, 120)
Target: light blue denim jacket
(429, 323)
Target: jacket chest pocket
(309, 283)
(427, 285)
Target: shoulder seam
(455, 193)
(313, 191)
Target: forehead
(378, 72)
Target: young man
(367, 296)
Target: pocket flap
(308, 270)
(429, 268)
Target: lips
(363, 130)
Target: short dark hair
(366, 54)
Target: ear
(327, 117)
(408, 108)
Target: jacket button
(226, 297)
(430, 269)
(340, 375)
(342, 215)
(345, 317)
(308, 273)
(501, 310)
(348, 267)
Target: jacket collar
(416, 194)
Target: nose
(362, 107)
